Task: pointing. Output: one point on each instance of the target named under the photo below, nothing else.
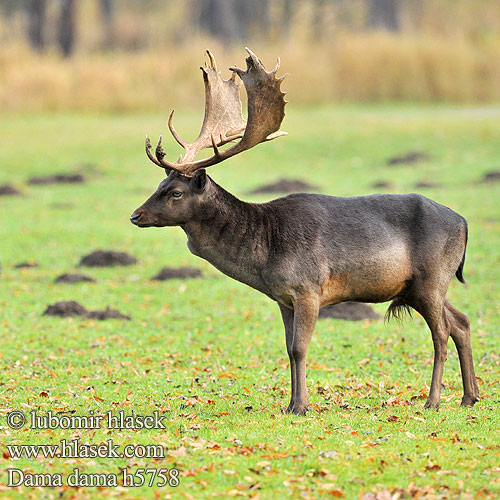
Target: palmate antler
(223, 121)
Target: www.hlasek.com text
(76, 449)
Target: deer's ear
(199, 180)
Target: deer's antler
(223, 121)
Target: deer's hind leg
(460, 333)
(444, 320)
(433, 314)
(429, 302)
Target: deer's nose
(134, 218)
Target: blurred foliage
(131, 55)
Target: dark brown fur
(306, 251)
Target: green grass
(209, 354)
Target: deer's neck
(232, 235)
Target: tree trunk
(107, 12)
(287, 16)
(318, 21)
(67, 27)
(217, 17)
(252, 18)
(383, 14)
(36, 16)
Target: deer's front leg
(304, 320)
(287, 316)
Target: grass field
(209, 354)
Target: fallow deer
(306, 251)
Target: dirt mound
(170, 273)
(107, 258)
(27, 264)
(352, 311)
(65, 309)
(489, 177)
(73, 278)
(382, 185)
(409, 158)
(8, 190)
(107, 313)
(285, 186)
(427, 185)
(58, 179)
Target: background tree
(36, 21)
(232, 20)
(384, 14)
(67, 27)
(107, 14)
(217, 18)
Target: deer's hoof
(296, 409)
(300, 411)
(469, 401)
(431, 405)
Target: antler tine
(150, 154)
(275, 135)
(214, 145)
(277, 67)
(256, 61)
(211, 57)
(160, 155)
(177, 137)
(281, 78)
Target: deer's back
(344, 244)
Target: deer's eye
(176, 194)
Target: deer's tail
(460, 271)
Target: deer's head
(176, 200)
(183, 191)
